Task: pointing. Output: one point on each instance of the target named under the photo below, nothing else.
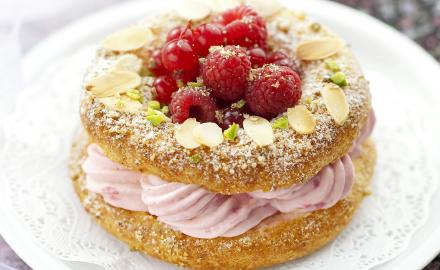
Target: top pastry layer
(128, 138)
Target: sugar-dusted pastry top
(242, 165)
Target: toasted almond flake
(336, 103)
(121, 104)
(259, 129)
(209, 134)
(301, 119)
(127, 39)
(222, 5)
(264, 7)
(113, 82)
(194, 10)
(128, 62)
(318, 48)
(184, 134)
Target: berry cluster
(240, 74)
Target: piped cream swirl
(200, 213)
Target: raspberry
(207, 35)
(281, 59)
(272, 90)
(165, 86)
(225, 72)
(244, 27)
(155, 63)
(192, 102)
(257, 57)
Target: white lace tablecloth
(37, 189)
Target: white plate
(381, 50)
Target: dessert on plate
(224, 137)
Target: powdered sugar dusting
(237, 162)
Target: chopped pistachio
(195, 84)
(316, 27)
(195, 158)
(239, 104)
(281, 123)
(231, 132)
(150, 111)
(165, 110)
(332, 65)
(308, 99)
(134, 94)
(339, 79)
(154, 104)
(156, 119)
(119, 103)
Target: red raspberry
(257, 57)
(193, 102)
(165, 86)
(244, 27)
(272, 90)
(207, 35)
(155, 63)
(225, 72)
(281, 59)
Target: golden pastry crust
(234, 167)
(278, 239)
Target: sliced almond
(259, 129)
(128, 62)
(222, 5)
(127, 39)
(184, 134)
(336, 103)
(301, 119)
(121, 104)
(194, 10)
(318, 48)
(264, 7)
(209, 134)
(113, 82)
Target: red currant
(178, 54)
(207, 35)
(257, 57)
(231, 116)
(187, 75)
(181, 32)
(165, 86)
(281, 59)
(155, 63)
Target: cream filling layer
(200, 213)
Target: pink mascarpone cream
(200, 213)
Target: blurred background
(24, 23)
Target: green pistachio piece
(339, 79)
(154, 104)
(332, 66)
(156, 119)
(195, 158)
(281, 123)
(231, 132)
